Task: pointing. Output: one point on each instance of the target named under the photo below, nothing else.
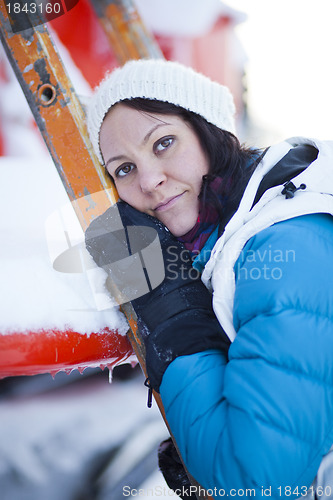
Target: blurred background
(288, 70)
(76, 436)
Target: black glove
(173, 470)
(153, 270)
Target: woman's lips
(168, 203)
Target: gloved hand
(153, 270)
(173, 470)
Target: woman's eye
(124, 170)
(163, 144)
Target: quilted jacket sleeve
(264, 417)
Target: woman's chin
(179, 228)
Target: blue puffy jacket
(263, 418)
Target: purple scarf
(196, 238)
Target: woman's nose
(151, 176)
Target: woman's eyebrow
(152, 130)
(145, 140)
(114, 158)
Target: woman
(245, 374)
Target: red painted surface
(51, 351)
(81, 32)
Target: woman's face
(157, 164)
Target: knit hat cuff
(162, 80)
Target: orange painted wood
(125, 30)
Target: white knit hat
(166, 81)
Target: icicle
(80, 368)
(110, 375)
(54, 373)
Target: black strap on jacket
(292, 164)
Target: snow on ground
(89, 440)
(33, 294)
